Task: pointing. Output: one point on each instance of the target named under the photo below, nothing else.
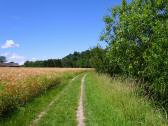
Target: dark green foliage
(74, 60)
(137, 37)
(99, 59)
(124, 6)
(2, 59)
(44, 63)
(77, 59)
(70, 60)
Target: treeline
(44, 63)
(137, 38)
(74, 60)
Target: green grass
(115, 103)
(63, 112)
(25, 114)
(2, 83)
(1, 87)
(107, 102)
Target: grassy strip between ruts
(63, 112)
(25, 114)
(114, 103)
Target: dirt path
(41, 114)
(80, 110)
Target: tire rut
(80, 110)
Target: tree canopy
(2, 59)
(137, 37)
(74, 60)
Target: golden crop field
(13, 75)
(19, 85)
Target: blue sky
(42, 29)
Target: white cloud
(4, 54)
(16, 58)
(33, 59)
(13, 57)
(10, 44)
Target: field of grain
(13, 75)
(19, 85)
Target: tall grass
(116, 102)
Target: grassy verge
(26, 113)
(1, 87)
(115, 103)
(63, 112)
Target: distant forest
(77, 59)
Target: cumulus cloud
(13, 57)
(17, 58)
(10, 44)
(33, 59)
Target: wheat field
(19, 85)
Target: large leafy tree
(137, 37)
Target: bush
(138, 44)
